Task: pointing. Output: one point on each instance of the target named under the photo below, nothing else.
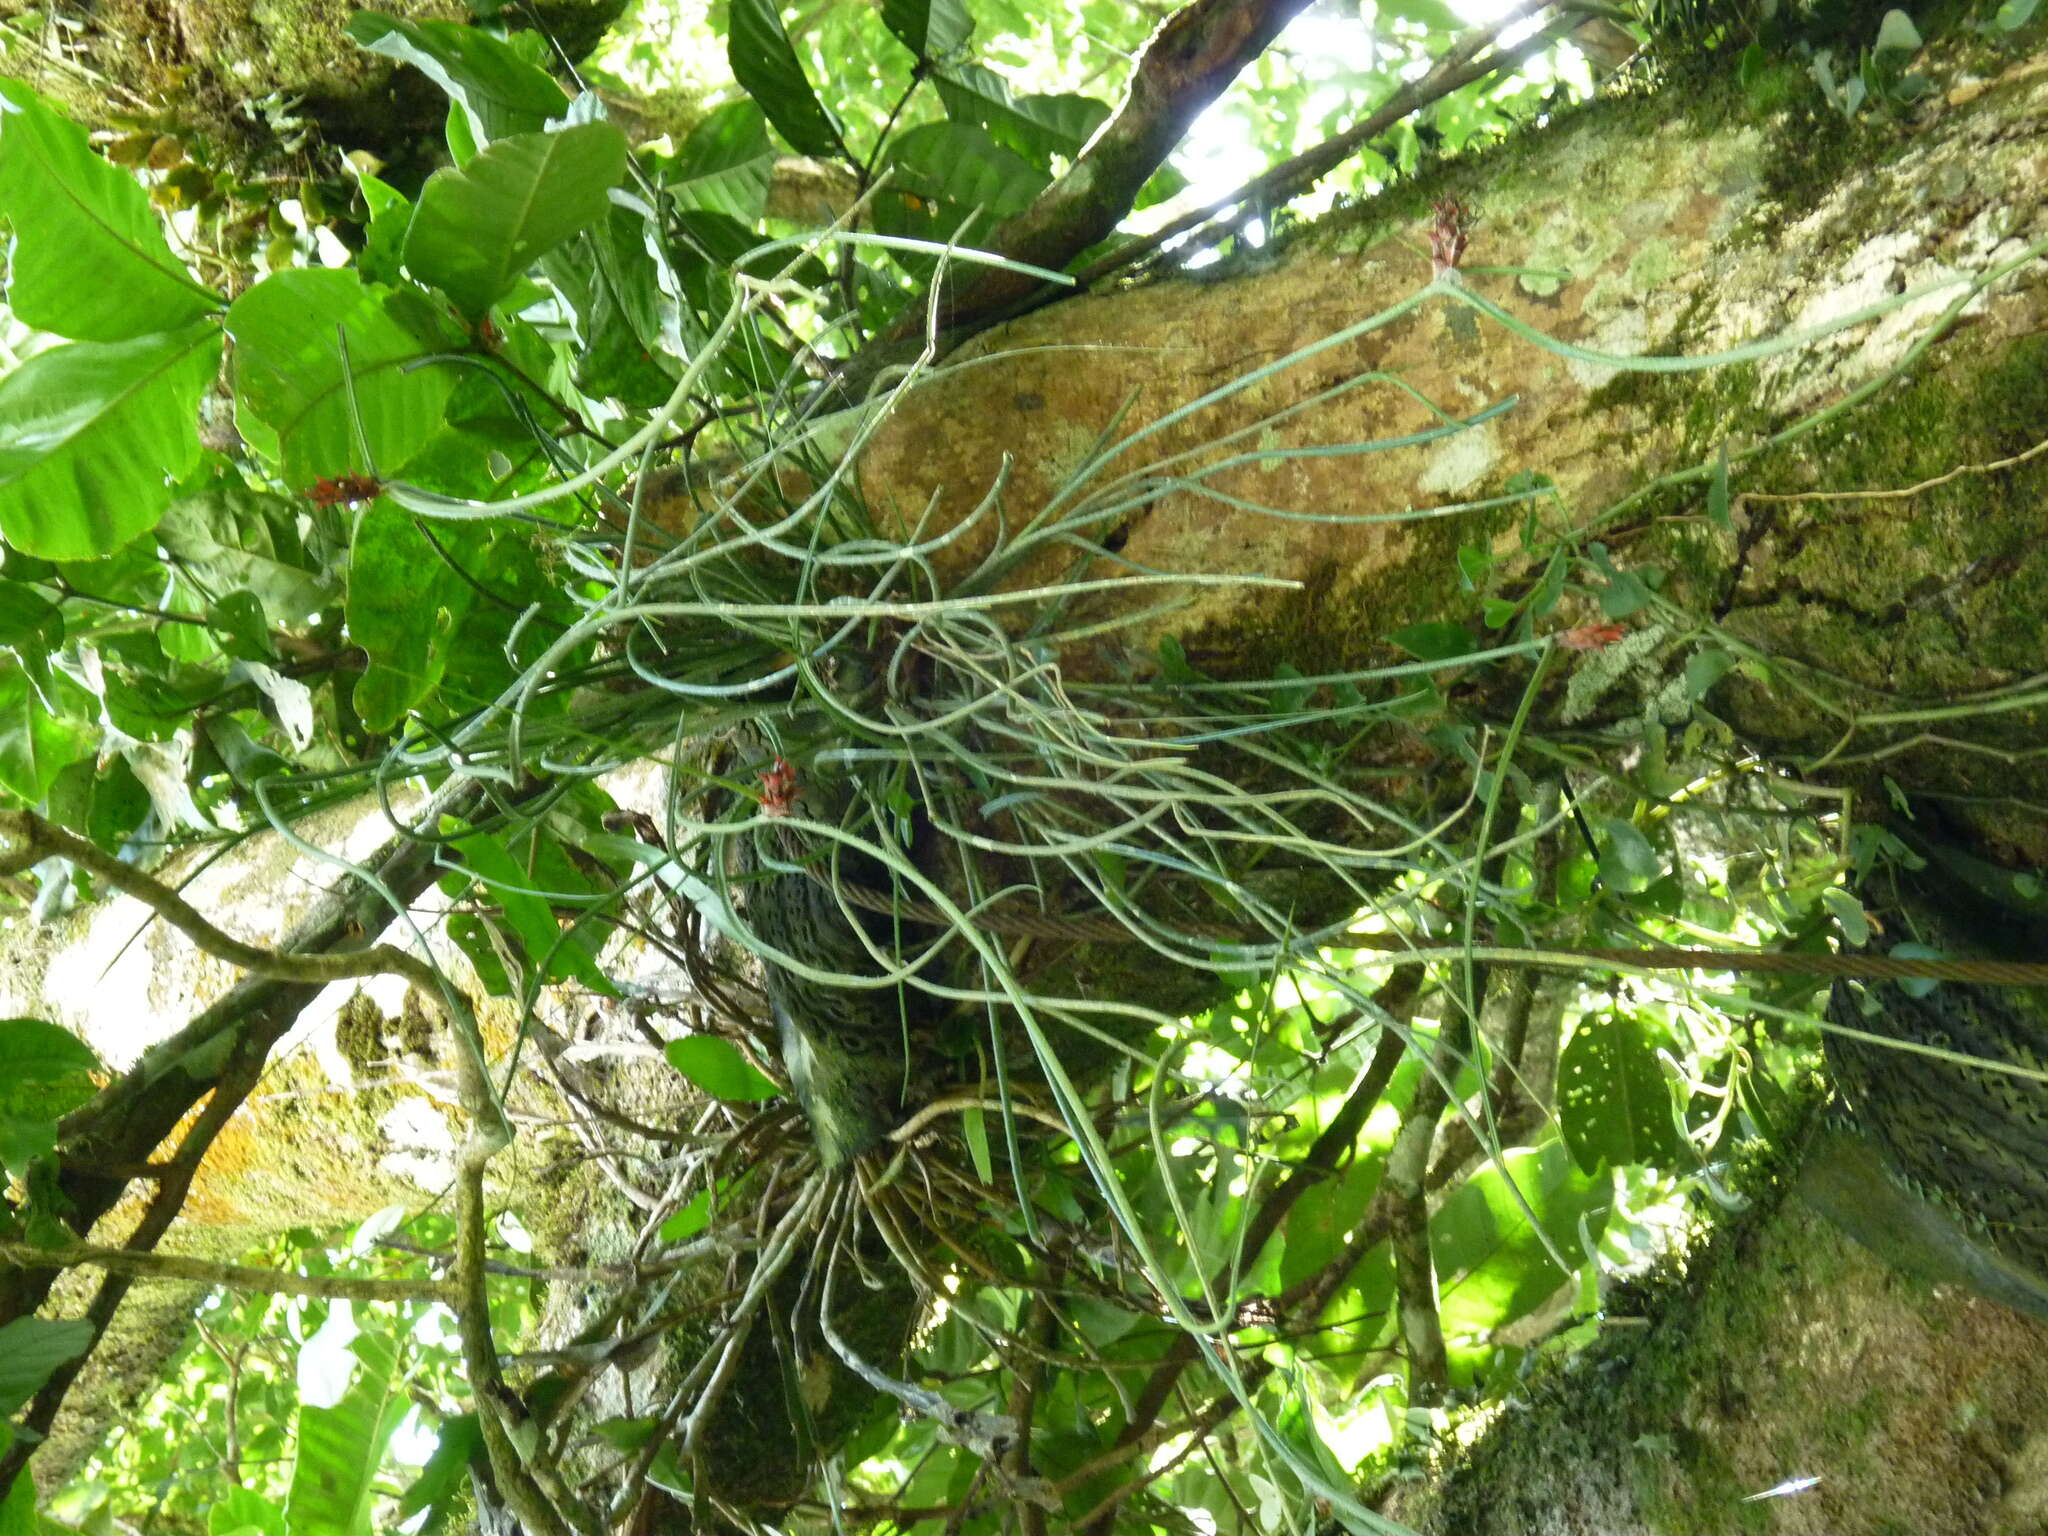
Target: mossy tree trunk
(1669, 227)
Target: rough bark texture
(1667, 225)
(1789, 1354)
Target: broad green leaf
(92, 433)
(1491, 1264)
(766, 67)
(45, 1073)
(28, 620)
(1612, 1101)
(725, 163)
(717, 1067)
(34, 1051)
(31, 1350)
(229, 538)
(1036, 127)
(334, 1478)
(974, 1130)
(1326, 1211)
(404, 605)
(18, 1511)
(444, 1481)
(627, 323)
(478, 228)
(500, 92)
(242, 1509)
(931, 29)
(1628, 862)
(1705, 668)
(960, 165)
(686, 1223)
(524, 895)
(1435, 641)
(35, 743)
(383, 254)
(291, 387)
(473, 938)
(89, 259)
(1896, 34)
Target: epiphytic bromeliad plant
(1126, 1092)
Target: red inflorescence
(345, 490)
(1448, 234)
(1591, 637)
(779, 788)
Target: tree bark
(1666, 226)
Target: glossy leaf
(931, 29)
(717, 1067)
(1036, 127)
(766, 67)
(725, 163)
(500, 92)
(90, 434)
(1492, 1267)
(89, 260)
(28, 620)
(962, 166)
(36, 744)
(292, 389)
(31, 1350)
(1612, 1099)
(478, 228)
(404, 605)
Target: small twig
(234, 1277)
(1992, 468)
(1456, 68)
